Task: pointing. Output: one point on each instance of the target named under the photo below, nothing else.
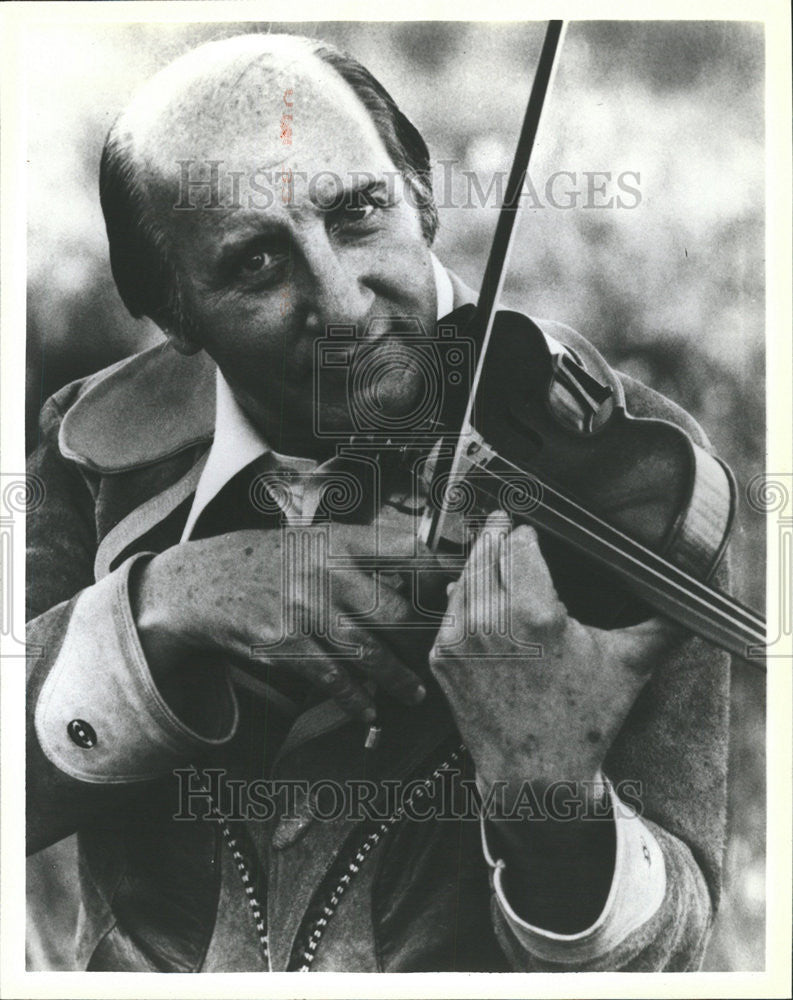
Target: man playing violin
(157, 598)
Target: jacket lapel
(141, 520)
(140, 411)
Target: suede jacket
(120, 455)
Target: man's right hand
(232, 592)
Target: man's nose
(336, 287)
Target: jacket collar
(151, 406)
(145, 409)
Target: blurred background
(670, 286)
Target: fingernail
(419, 694)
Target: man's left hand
(543, 712)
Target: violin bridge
(471, 452)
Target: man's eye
(256, 262)
(358, 213)
(354, 217)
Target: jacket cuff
(100, 717)
(638, 887)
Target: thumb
(477, 599)
(484, 559)
(526, 576)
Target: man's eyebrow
(370, 184)
(363, 186)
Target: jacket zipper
(319, 925)
(317, 929)
(248, 881)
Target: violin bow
(481, 326)
(501, 247)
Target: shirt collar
(443, 288)
(237, 442)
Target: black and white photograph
(396, 465)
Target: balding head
(197, 108)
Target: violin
(628, 508)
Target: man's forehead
(256, 101)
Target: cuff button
(82, 734)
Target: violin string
(712, 600)
(639, 554)
(709, 600)
(751, 627)
(729, 603)
(647, 568)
